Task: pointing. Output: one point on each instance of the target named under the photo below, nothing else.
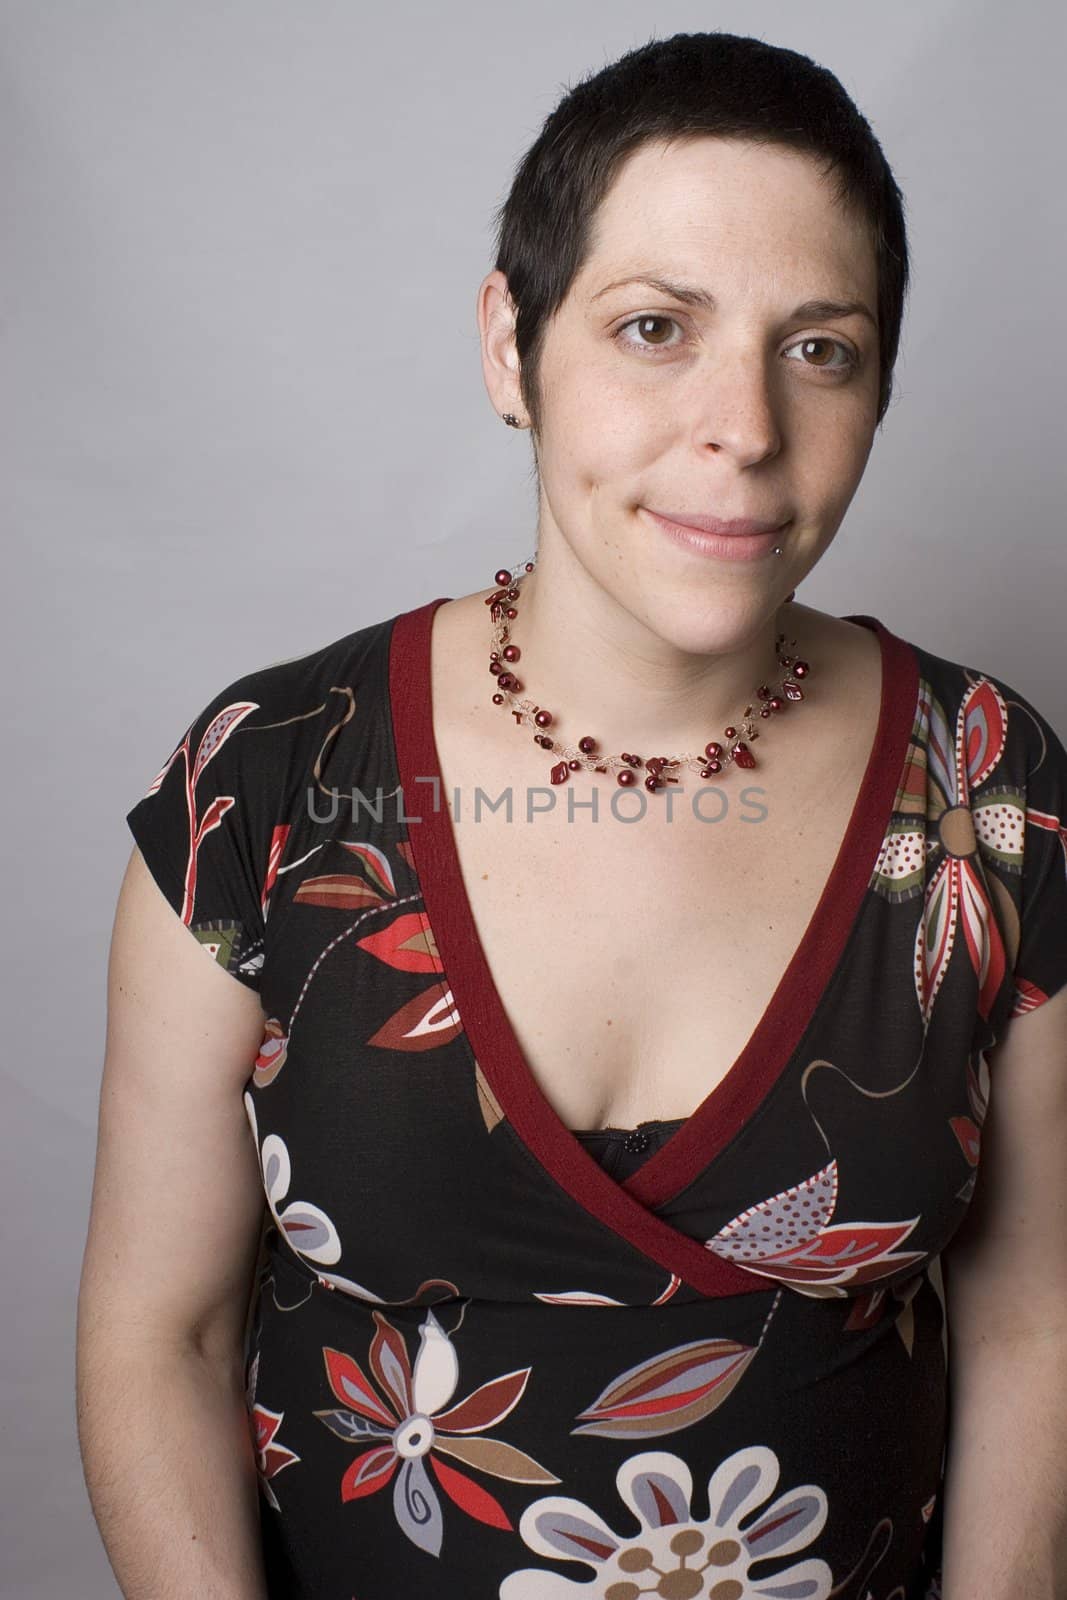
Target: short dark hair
(724, 85)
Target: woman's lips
(742, 539)
(727, 526)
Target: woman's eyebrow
(689, 294)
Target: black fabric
(620, 1151)
(464, 1383)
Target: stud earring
(512, 420)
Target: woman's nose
(737, 409)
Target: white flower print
(675, 1554)
(305, 1227)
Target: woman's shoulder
(971, 723)
(350, 656)
(221, 810)
(974, 696)
(272, 720)
(950, 680)
(979, 735)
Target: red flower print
(407, 943)
(789, 1238)
(671, 1391)
(215, 736)
(271, 1455)
(968, 1130)
(272, 1052)
(427, 1020)
(965, 825)
(409, 1413)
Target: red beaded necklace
(661, 769)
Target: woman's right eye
(643, 323)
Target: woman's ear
(500, 359)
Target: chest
(635, 959)
(425, 982)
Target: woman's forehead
(697, 212)
(712, 183)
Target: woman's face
(745, 405)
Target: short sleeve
(1041, 961)
(207, 832)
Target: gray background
(243, 414)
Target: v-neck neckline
(628, 1208)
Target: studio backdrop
(243, 414)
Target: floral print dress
(480, 1363)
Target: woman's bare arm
(1005, 1532)
(173, 1236)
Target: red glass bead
(587, 745)
(502, 578)
(762, 693)
(600, 769)
(730, 733)
(800, 669)
(504, 680)
(776, 703)
(530, 567)
(713, 749)
(498, 699)
(512, 652)
(705, 772)
(495, 668)
(715, 766)
(626, 777)
(511, 613)
(559, 772)
(743, 755)
(511, 594)
(543, 719)
(765, 711)
(516, 685)
(793, 690)
(575, 766)
(653, 782)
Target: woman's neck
(605, 669)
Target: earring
(777, 549)
(512, 420)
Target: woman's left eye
(850, 360)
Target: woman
(617, 1174)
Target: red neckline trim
(627, 1208)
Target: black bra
(620, 1151)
